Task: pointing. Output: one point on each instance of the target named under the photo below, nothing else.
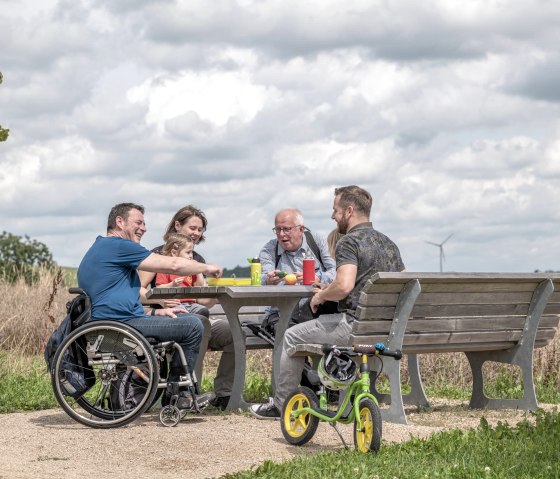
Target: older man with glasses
(361, 252)
(286, 253)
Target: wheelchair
(106, 374)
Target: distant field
(69, 278)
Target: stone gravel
(49, 444)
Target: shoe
(265, 411)
(184, 401)
(219, 402)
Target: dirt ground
(48, 444)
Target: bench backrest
(458, 311)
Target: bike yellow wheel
(299, 430)
(369, 437)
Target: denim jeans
(217, 337)
(186, 330)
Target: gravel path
(48, 444)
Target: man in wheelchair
(108, 274)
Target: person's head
(332, 239)
(189, 221)
(178, 244)
(127, 221)
(289, 228)
(352, 205)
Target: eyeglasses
(287, 229)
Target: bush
(22, 258)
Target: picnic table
(232, 299)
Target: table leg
(285, 307)
(231, 308)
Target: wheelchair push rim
(95, 369)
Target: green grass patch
(24, 384)
(526, 450)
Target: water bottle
(308, 271)
(256, 272)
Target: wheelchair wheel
(105, 374)
(299, 430)
(369, 438)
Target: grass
(526, 450)
(28, 315)
(24, 384)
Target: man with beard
(360, 253)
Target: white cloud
(446, 111)
(216, 97)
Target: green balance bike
(337, 371)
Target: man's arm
(267, 257)
(157, 263)
(341, 287)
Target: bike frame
(360, 389)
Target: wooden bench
(247, 314)
(488, 316)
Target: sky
(446, 111)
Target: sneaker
(265, 411)
(219, 402)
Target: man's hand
(170, 312)
(316, 299)
(213, 270)
(272, 278)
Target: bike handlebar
(369, 349)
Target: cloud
(446, 111)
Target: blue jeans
(186, 330)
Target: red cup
(308, 271)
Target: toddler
(181, 245)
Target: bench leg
(403, 308)
(479, 400)
(395, 413)
(417, 395)
(520, 355)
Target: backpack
(312, 244)
(128, 390)
(77, 376)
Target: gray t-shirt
(371, 251)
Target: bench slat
(453, 341)
(476, 323)
(454, 287)
(384, 299)
(446, 310)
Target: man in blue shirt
(108, 275)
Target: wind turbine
(441, 253)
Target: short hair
(295, 212)
(353, 195)
(182, 216)
(176, 242)
(122, 210)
